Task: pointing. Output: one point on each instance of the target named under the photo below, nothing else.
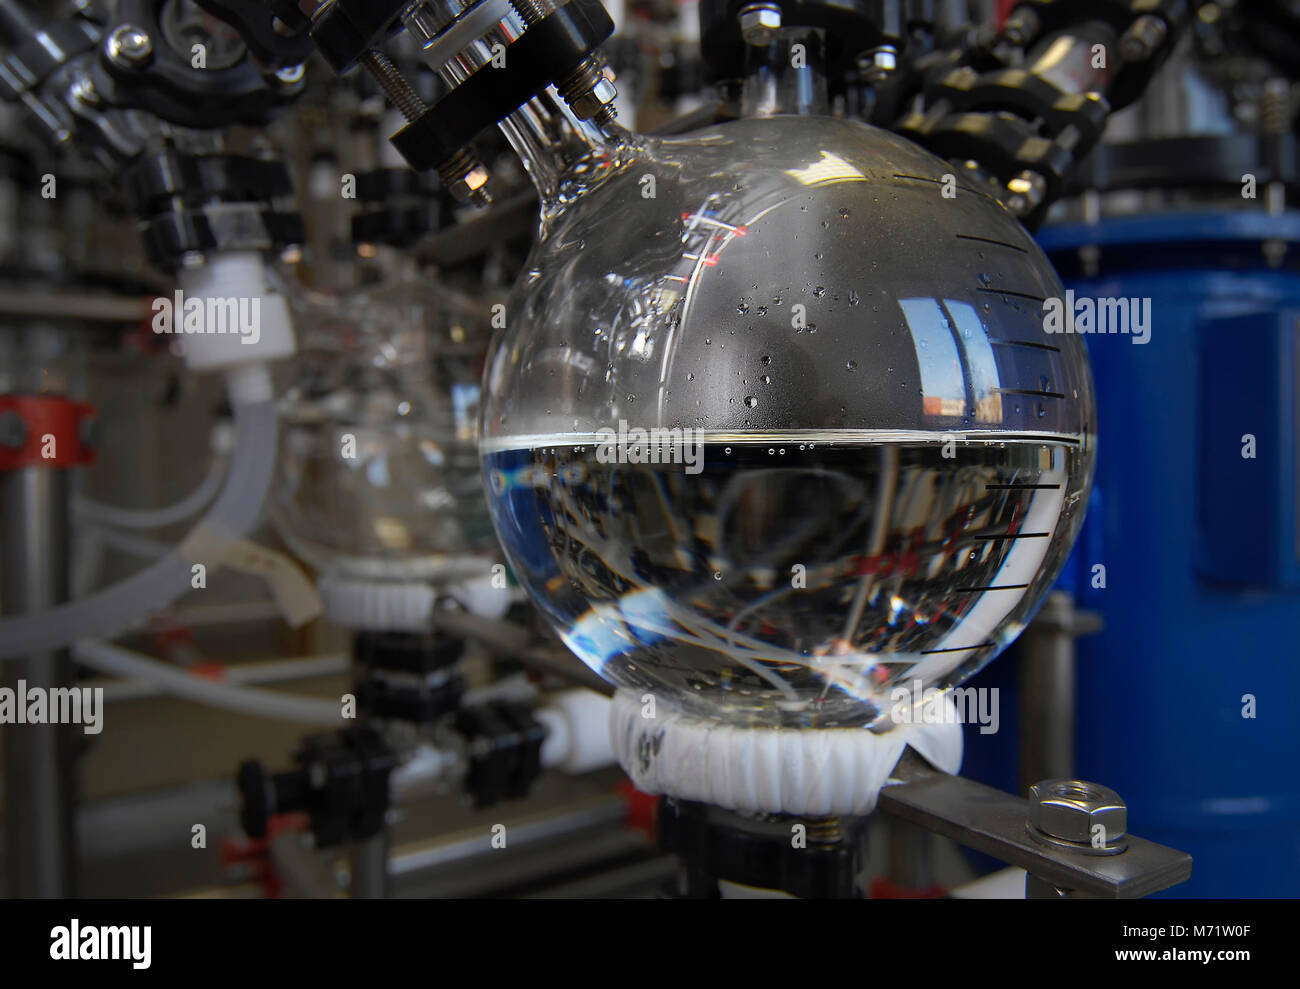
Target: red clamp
(250, 858)
(43, 431)
(642, 809)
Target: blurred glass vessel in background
(378, 474)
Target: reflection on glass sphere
(881, 458)
(378, 475)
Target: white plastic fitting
(242, 322)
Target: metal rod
(1047, 704)
(369, 862)
(40, 823)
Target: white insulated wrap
(376, 606)
(831, 771)
(396, 606)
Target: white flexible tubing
(89, 510)
(116, 661)
(124, 604)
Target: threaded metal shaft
(532, 11)
(1276, 107)
(394, 84)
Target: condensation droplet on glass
(751, 401)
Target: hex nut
(1070, 809)
(759, 23)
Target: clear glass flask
(378, 476)
(775, 429)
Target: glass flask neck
(563, 155)
(786, 76)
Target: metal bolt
(759, 23)
(589, 92)
(1068, 810)
(85, 93)
(465, 177)
(1022, 26)
(430, 19)
(1028, 189)
(130, 46)
(1143, 37)
(877, 64)
(291, 75)
(13, 432)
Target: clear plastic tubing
(116, 661)
(89, 510)
(109, 611)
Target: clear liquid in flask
(797, 578)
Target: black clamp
(545, 53)
(341, 783)
(402, 676)
(400, 207)
(1010, 121)
(715, 844)
(346, 29)
(256, 23)
(505, 750)
(1033, 21)
(192, 204)
(166, 83)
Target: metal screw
(463, 175)
(394, 84)
(13, 432)
(1068, 810)
(759, 23)
(130, 46)
(1144, 36)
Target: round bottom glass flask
(775, 429)
(377, 477)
